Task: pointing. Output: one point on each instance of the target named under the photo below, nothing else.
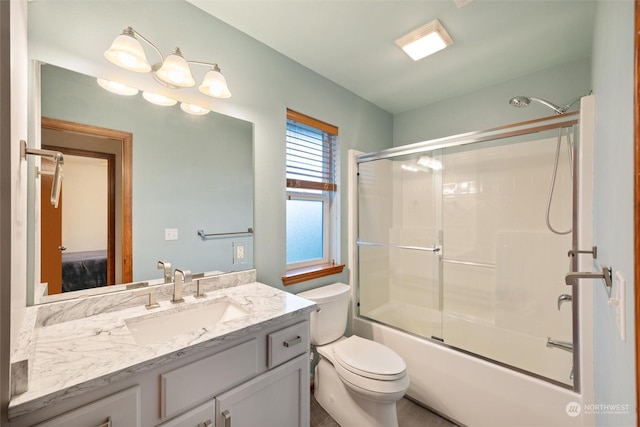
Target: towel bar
(204, 235)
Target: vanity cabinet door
(118, 410)
(277, 398)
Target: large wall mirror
(140, 180)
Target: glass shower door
(399, 243)
(503, 268)
(465, 239)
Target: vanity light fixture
(424, 41)
(117, 88)
(157, 99)
(173, 71)
(193, 109)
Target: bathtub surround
(481, 291)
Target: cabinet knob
(207, 423)
(226, 415)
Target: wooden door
(51, 238)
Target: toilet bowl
(357, 381)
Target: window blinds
(311, 155)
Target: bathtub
(472, 391)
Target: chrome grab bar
(204, 235)
(562, 345)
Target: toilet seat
(368, 359)
(372, 388)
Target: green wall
(263, 82)
(613, 76)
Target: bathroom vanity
(239, 356)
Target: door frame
(111, 205)
(636, 201)
(125, 139)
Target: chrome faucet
(166, 266)
(562, 345)
(562, 298)
(180, 278)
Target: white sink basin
(161, 326)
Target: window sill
(309, 273)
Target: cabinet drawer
(189, 385)
(288, 343)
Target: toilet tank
(330, 322)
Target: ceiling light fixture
(174, 71)
(424, 41)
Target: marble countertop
(68, 357)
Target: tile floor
(410, 414)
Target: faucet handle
(200, 289)
(153, 303)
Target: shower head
(520, 101)
(524, 101)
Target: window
(311, 150)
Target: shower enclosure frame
(512, 130)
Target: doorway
(98, 152)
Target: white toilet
(357, 381)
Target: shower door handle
(435, 248)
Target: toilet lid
(369, 359)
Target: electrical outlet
(170, 234)
(239, 252)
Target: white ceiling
(351, 42)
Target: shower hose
(553, 177)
